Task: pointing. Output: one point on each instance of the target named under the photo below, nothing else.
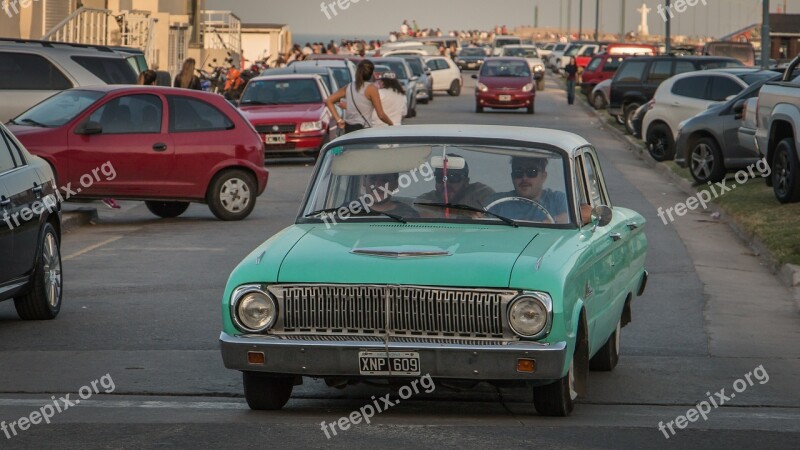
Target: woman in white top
(393, 99)
(362, 99)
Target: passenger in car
(528, 174)
(380, 187)
(459, 189)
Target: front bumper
(340, 358)
(298, 143)
(491, 99)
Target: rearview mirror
(601, 216)
(453, 162)
(89, 128)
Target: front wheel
(598, 101)
(608, 356)
(706, 162)
(232, 195)
(557, 399)
(265, 393)
(43, 299)
(455, 88)
(167, 210)
(627, 114)
(478, 109)
(531, 109)
(660, 142)
(786, 172)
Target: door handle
(632, 226)
(615, 236)
(5, 202)
(37, 189)
(159, 146)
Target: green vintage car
(469, 253)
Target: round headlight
(527, 316)
(256, 311)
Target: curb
(72, 219)
(789, 274)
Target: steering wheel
(522, 199)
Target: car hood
(24, 130)
(505, 82)
(256, 113)
(394, 253)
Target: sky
(379, 17)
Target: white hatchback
(446, 74)
(682, 97)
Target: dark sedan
(470, 58)
(30, 232)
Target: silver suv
(31, 71)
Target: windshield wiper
(33, 122)
(471, 208)
(333, 210)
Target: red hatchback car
(166, 146)
(505, 83)
(289, 113)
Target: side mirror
(601, 216)
(414, 78)
(89, 128)
(475, 76)
(738, 109)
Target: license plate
(472, 64)
(393, 363)
(505, 98)
(274, 138)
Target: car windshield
(753, 78)
(521, 52)
(58, 109)
(501, 42)
(341, 75)
(503, 185)
(505, 69)
(281, 92)
(472, 52)
(572, 51)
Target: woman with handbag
(362, 99)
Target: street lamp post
(668, 43)
(580, 19)
(596, 19)
(765, 40)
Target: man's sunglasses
(451, 177)
(530, 173)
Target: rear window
(23, 71)
(189, 114)
(659, 71)
(631, 72)
(109, 70)
(692, 87)
(593, 64)
(612, 64)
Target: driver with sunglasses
(459, 190)
(528, 176)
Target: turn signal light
(526, 365)
(256, 358)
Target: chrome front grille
(277, 128)
(400, 311)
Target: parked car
(406, 77)
(446, 75)
(684, 96)
(501, 41)
(31, 71)
(582, 53)
(626, 48)
(742, 51)
(424, 82)
(343, 70)
(638, 77)
(470, 58)
(545, 49)
(712, 144)
(30, 232)
(520, 292)
(169, 147)
(289, 113)
(326, 73)
(777, 136)
(599, 95)
(602, 67)
(555, 53)
(505, 83)
(531, 55)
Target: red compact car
(289, 112)
(166, 146)
(505, 83)
(602, 67)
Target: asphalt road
(142, 304)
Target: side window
(580, 186)
(612, 64)
(593, 186)
(631, 72)
(16, 152)
(431, 63)
(659, 71)
(130, 114)
(594, 64)
(441, 64)
(692, 87)
(6, 160)
(189, 114)
(22, 71)
(722, 88)
(683, 67)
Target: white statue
(643, 29)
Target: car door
(441, 79)
(132, 140)
(7, 225)
(22, 206)
(658, 71)
(686, 103)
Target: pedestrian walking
(571, 70)
(393, 99)
(362, 98)
(186, 78)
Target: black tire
(786, 172)
(627, 112)
(706, 162)
(531, 109)
(608, 356)
(412, 113)
(430, 95)
(455, 88)
(167, 210)
(478, 109)
(232, 195)
(660, 142)
(620, 119)
(266, 393)
(557, 399)
(43, 299)
(540, 84)
(599, 101)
